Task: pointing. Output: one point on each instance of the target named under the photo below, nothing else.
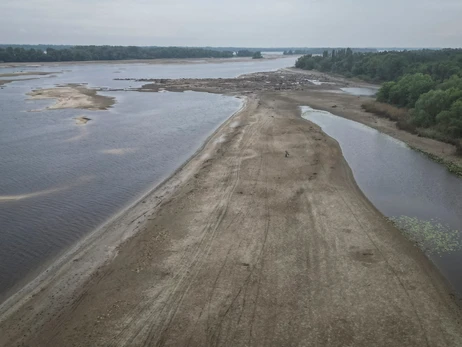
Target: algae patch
(430, 236)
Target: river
(400, 182)
(59, 180)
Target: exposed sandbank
(82, 120)
(73, 96)
(297, 83)
(26, 73)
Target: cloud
(408, 23)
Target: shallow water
(363, 91)
(398, 180)
(60, 180)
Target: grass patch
(387, 111)
(403, 121)
(430, 236)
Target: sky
(243, 23)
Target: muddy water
(60, 180)
(398, 180)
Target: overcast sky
(251, 23)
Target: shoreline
(43, 277)
(148, 262)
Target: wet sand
(73, 96)
(244, 246)
(28, 73)
(17, 74)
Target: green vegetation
(84, 53)
(426, 85)
(257, 55)
(320, 51)
(430, 236)
(244, 53)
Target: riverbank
(246, 245)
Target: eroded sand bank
(245, 246)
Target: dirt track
(255, 249)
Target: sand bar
(244, 246)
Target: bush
(459, 147)
(386, 110)
(405, 125)
(257, 55)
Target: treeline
(386, 66)
(85, 53)
(39, 46)
(248, 53)
(244, 53)
(427, 84)
(295, 52)
(320, 51)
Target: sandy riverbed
(244, 247)
(73, 96)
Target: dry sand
(244, 246)
(73, 96)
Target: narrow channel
(402, 184)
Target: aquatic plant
(451, 166)
(430, 236)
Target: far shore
(262, 238)
(146, 61)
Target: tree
(407, 91)
(257, 55)
(244, 53)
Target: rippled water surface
(60, 180)
(398, 180)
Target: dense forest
(426, 84)
(84, 53)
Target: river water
(399, 181)
(60, 180)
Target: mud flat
(244, 246)
(73, 96)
